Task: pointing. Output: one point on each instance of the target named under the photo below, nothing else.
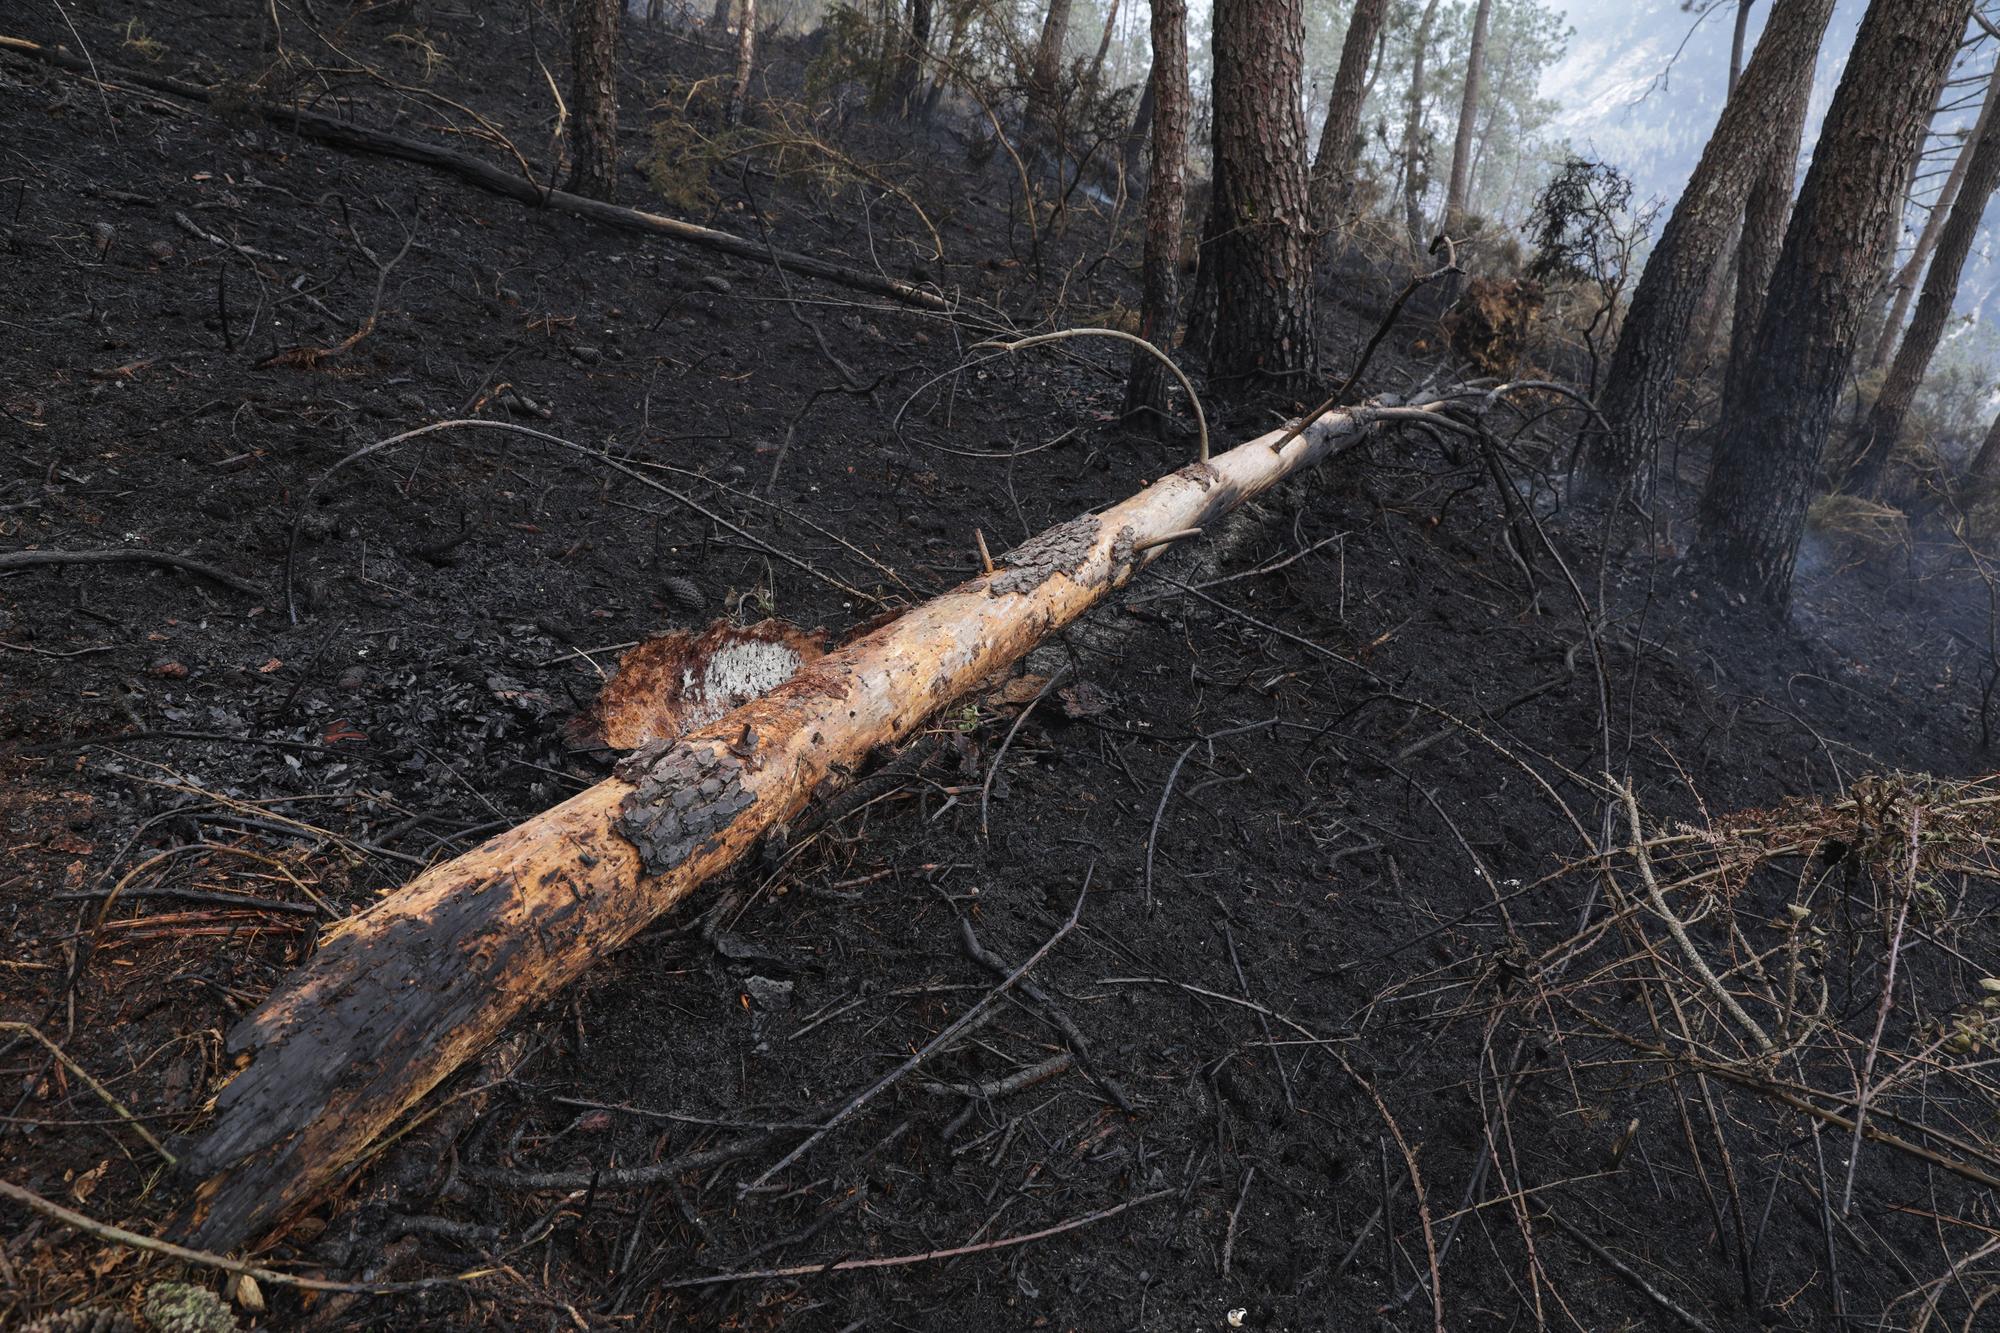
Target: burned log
(400, 995)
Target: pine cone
(684, 593)
(179, 1307)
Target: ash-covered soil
(1287, 795)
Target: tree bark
(1459, 188)
(1096, 70)
(1339, 137)
(399, 996)
(1658, 324)
(1722, 280)
(1986, 463)
(1905, 282)
(1767, 459)
(1141, 133)
(1045, 72)
(1763, 232)
(1737, 41)
(746, 57)
(1913, 359)
(1260, 215)
(1414, 182)
(594, 99)
(1166, 205)
(910, 62)
(720, 18)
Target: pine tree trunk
(1141, 132)
(961, 14)
(1763, 232)
(1767, 459)
(1986, 463)
(746, 56)
(594, 98)
(1045, 74)
(1920, 344)
(1457, 192)
(656, 11)
(910, 64)
(1721, 281)
(1736, 42)
(1261, 219)
(1166, 203)
(720, 18)
(1640, 384)
(1413, 134)
(1333, 165)
(1096, 70)
(1928, 239)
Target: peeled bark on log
(358, 139)
(400, 995)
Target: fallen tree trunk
(350, 137)
(403, 993)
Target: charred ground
(459, 601)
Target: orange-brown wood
(402, 994)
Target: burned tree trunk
(1414, 182)
(1260, 217)
(1767, 459)
(1460, 183)
(399, 996)
(1045, 68)
(1166, 205)
(910, 63)
(1920, 344)
(1639, 386)
(594, 98)
(1339, 137)
(1763, 232)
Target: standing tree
(1954, 242)
(594, 98)
(746, 56)
(1468, 113)
(1045, 69)
(1414, 180)
(1762, 232)
(1754, 506)
(1166, 204)
(1333, 166)
(910, 60)
(1259, 218)
(1905, 282)
(1661, 319)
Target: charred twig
(104, 1094)
(1630, 1274)
(993, 770)
(1063, 335)
(937, 1043)
(128, 556)
(298, 524)
(993, 1089)
(895, 1261)
(1050, 1010)
(69, 1217)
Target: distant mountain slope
(1629, 99)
